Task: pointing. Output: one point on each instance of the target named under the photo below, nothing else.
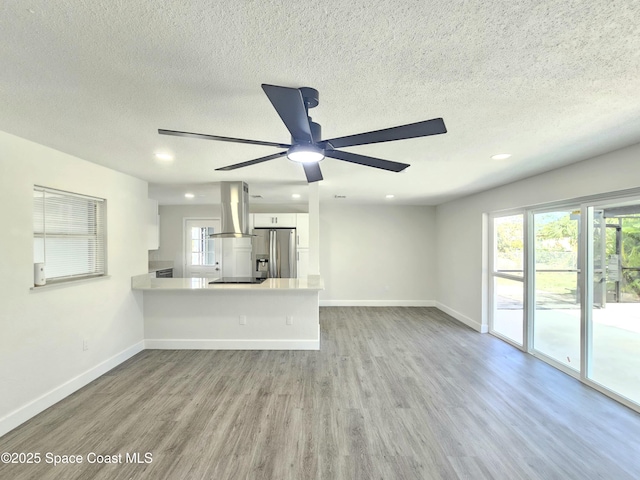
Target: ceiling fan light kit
(305, 153)
(307, 148)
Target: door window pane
(507, 318)
(508, 313)
(202, 247)
(556, 331)
(615, 318)
(509, 242)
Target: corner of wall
(477, 326)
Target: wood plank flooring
(394, 393)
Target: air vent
(256, 196)
(339, 196)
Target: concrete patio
(616, 340)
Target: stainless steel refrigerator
(274, 252)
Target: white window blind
(69, 234)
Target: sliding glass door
(564, 286)
(556, 319)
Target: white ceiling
(550, 81)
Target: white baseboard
(210, 344)
(408, 303)
(31, 409)
(477, 326)
(377, 303)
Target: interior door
(202, 254)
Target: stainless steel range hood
(234, 204)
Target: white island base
(185, 313)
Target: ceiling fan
(306, 147)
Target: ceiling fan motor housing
(316, 132)
(310, 96)
(311, 99)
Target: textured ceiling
(551, 82)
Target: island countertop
(191, 313)
(144, 282)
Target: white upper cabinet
(274, 220)
(302, 230)
(153, 225)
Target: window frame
(95, 234)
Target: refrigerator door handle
(273, 269)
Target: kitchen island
(191, 313)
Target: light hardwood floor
(394, 393)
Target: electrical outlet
(289, 320)
(243, 319)
(85, 345)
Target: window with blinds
(69, 234)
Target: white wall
(460, 242)
(171, 232)
(42, 331)
(377, 255)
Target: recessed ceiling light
(500, 156)
(295, 195)
(189, 195)
(389, 196)
(163, 157)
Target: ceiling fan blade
(367, 161)
(434, 126)
(289, 104)
(253, 162)
(221, 139)
(312, 171)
